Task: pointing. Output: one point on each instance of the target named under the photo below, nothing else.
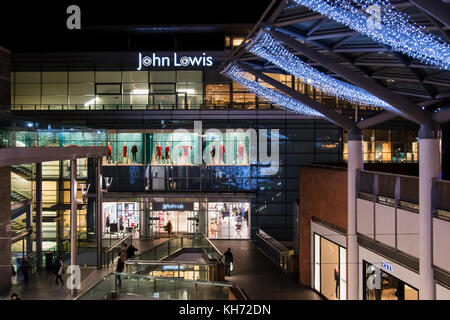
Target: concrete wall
(441, 241)
(385, 224)
(323, 194)
(408, 232)
(364, 212)
(5, 228)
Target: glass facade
(140, 90)
(388, 145)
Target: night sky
(40, 25)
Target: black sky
(29, 23)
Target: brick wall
(323, 194)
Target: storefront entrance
(149, 217)
(386, 287)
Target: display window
(329, 268)
(183, 218)
(380, 285)
(229, 220)
(120, 217)
(159, 148)
(125, 148)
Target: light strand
(240, 76)
(379, 20)
(274, 51)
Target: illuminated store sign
(386, 266)
(164, 206)
(172, 268)
(155, 60)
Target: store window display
(120, 217)
(228, 220)
(125, 148)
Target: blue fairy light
(240, 76)
(379, 20)
(265, 46)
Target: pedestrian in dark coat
(228, 261)
(26, 269)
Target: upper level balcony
(388, 218)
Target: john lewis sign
(174, 60)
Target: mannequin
(124, 153)
(109, 155)
(222, 153)
(167, 152)
(213, 152)
(134, 151)
(159, 152)
(241, 151)
(185, 154)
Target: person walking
(124, 252)
(121, 223)
(228, 262)
(119, 269)
(108, 223)
(26, 269)
(169, 228)
(59, 270)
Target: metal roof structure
(419, 92)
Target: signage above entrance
(386, 266)
(172, 206)
(174, 60)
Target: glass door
(181, 100)
(155, 222)
(192, 222)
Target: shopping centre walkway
(42, 284)
(259, 277)
(253, 272)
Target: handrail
(388, 174)
(163, 263)
(142, 276)
(115, 244)
(274, 244)
(212, 245)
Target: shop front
(120, 217)
(150, 217)
(330, 265)
(228, 220)
(390, 287)
(384, 279)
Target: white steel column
(39, 215)
(99, 211)
(355, 163)
(73, 212)
(429, 168)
